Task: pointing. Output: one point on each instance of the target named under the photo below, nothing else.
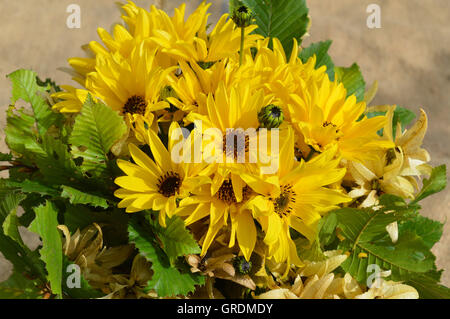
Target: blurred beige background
(409, 56)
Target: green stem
(241, 52)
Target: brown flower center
(284, 203)
(169, 184)
(135, 105)
(226, 193)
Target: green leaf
(18, 287)
(327, 226)
(95, 131)
(429, 230)
(428, 287)
(365, 232)
(24, 86)
(30, 186)
(48, 84)
(45, 225)
(167, 280)
(21, 135)
(401, 115)
(176, 240)
(78, 197)
(23, 259)
(320, 50)
(406, 259)
(436, 183)
(353, 80)
(9, 201)
(282, 19)
(309, 251)
(11, 227)
(57, 166)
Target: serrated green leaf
(353, 80)
(176, 240)
(429, 230)
(282, 19)
(21, 135)
(18, 287)
(320, 50)
(24, 86)
(45, 224)
(367, 241)
(166, 280)
(436, 183)
(57, 165)
(95, 131)
(78, 197)
(48, 84)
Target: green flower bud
(270, 116)
(167, 92)
(242, 16)
(242, 266)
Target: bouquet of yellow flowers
(208, 162)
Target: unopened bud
(242, 16)
(270, 116)
(242, 266)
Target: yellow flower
(279, 76)
(189, 41)
(325, 116)
(298, 199)
(156, 184)
(130, 86)
(140, 25)
(395, 170)
(229, 125)
(71, 99)
(220, 206)
(195, 83)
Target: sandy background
(409, 56)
